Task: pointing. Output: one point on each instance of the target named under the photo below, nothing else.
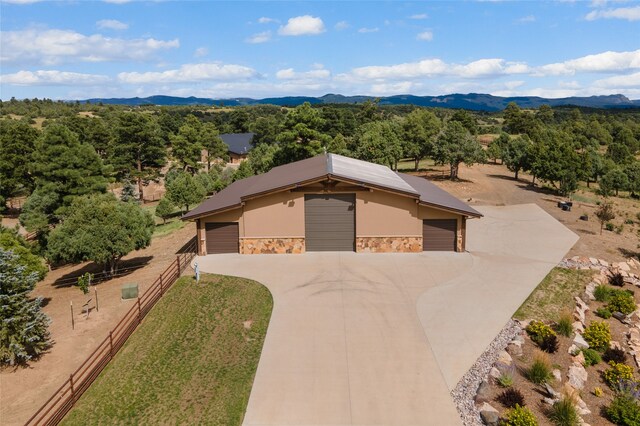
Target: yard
(179, 369)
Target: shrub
(538, 331)
(550, 344)
(619, 229)
(597, 391)
(505, 379)
(617, 373)
(564, 413)
(564, 326)
(615, 354)
(510, 398)
(616, 279)
(602, 293)
(628, 221)
(621, 301)
(603, 313)
(540, 370)
(623, 411)
(597, 335)
(591, 357)
(520, 416)
(609, 226)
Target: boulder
(577, 376)
(505, 358)
(579, 358)
(557, 374)
(578, 327)
(489, 415)
(579, 341)
(573, 349)
(495, 373)
(514, 349)
(551, 392)
(483, 393)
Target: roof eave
(451, 209)
(210, 212)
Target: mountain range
(470, 101)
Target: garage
(439, 234)
(222, 237)
(329, 222)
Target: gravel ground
(466, 388)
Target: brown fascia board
(450, 209)
(212, 212)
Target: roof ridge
(329, 163)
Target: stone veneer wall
(271, 245)
(388, 244)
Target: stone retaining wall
(388, 244)
(271, 245)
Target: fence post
(161, 289)
(139, 312)
(95, 291)
(178, 259)
(73, 391)
(73, 324)
(110, 344)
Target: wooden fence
(62, 400)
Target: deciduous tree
(379, 142)
(605, 213)
(184, 190)
(515, 154)
(456, 145)
(421, 127)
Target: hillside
(470, 101)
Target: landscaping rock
(581, 406)
(579, 358)
(505, 358)
(578, 327)
(549, 401)
(620, 317)
(489, 415)
(557, 374)
(495, 373)
(514, 349)
(577, 376)
(484, 393)
(550, 391)
(579, 341)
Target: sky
(124, 48)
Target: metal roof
(329, 166)
(238, 143)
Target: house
(331, 203)
(239, 146)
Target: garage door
(439, 234)
(222, 237)
(330, 222)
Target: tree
(421, 128)
(63, 169)
(605, 213)
(301, 137)
(137, 149)
(128, 192)
(34, 264)
(633, 176)
(17, 143)
(553, 157)
(211, 142)
(262, 157)
(23, 325)
(164, 209)
(619, 153)
(497, 147)
(545, 114)
(244, 171)
(614, 180)
(467, 119)
(184, 190)
(186, 144)
(454, 146)
(100, 229)
(379, 142)
(516, 154)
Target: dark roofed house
(239, 145)
(331, 203)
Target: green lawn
(554, 294)
(166, 229)
(191, 361)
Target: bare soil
(493, 184)
(25, 389)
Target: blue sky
(119, 48)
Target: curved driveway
(381, 339)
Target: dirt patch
(25, 389)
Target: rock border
(465, 391)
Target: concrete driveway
(373, 339)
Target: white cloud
(265, 20)
(419, 16)
(262, 37)
(111, 24)
(313, 75)
(342, 25)
(619, 81)
(627, 13)
(601, 62)
(50, 47)
(425, 36)
(397, 88)
(368, 30)
(52, 78)
(302, 25)
(527, 19)
(190, 73)
(200, 52)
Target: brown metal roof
(328, 166)
(432, 195)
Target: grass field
(554, 294)
(191, 361)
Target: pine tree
(128, 192)
(164, 209)
(23, 326)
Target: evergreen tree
(23, 325)
(210, 141)
(244, 171)
(128, 192)
(101, 229)
(164, 209)
(184, 190)
(17, 143)
(301, 137)
(11, 240)
(186, 144)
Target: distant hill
(471, 101)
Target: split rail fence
(61, 402)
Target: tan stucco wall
(276, 215)
(380, 213)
